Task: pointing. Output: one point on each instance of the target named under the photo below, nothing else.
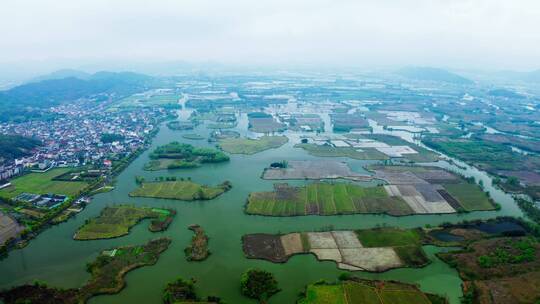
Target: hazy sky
(493, 34)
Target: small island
(177, 155)
(193, 136)
(185, 190)
(198, 249)
(116, 221)
(251, 146)
(181, 125)
(183, 291)
(107, 274)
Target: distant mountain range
(53, 89)
(505, 93)
(533, 76)
(433, 74)
(61, 74)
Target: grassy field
(252, 146)
(384, 237)
(325, 199)
(470, 196)
(329, 151)
(366, 292)
(180, 190)
(116, 221)
(42, 183)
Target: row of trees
(139, 180)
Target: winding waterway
(54, 257)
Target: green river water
(54, 257)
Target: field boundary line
(346, 297)
(378, 295)
(306, 201)
(350, 198)
(333, 200)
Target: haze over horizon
(462, 34)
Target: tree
(513, 181)
(258, 284)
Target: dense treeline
(15, 146)
(110, 137)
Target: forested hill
(23, 101)
(14, 146)
(433, 74)
(50, 92)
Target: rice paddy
(325, 199)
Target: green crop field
(116, 221)
(384, 237)
(324, 294)
(364, 292)
(329, 151)
(251, 146)
(325, 199)
(179, 190)
(42, 183)
(406, 242)
(470, 196)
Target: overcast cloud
(490, 34)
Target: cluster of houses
(75, 138)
